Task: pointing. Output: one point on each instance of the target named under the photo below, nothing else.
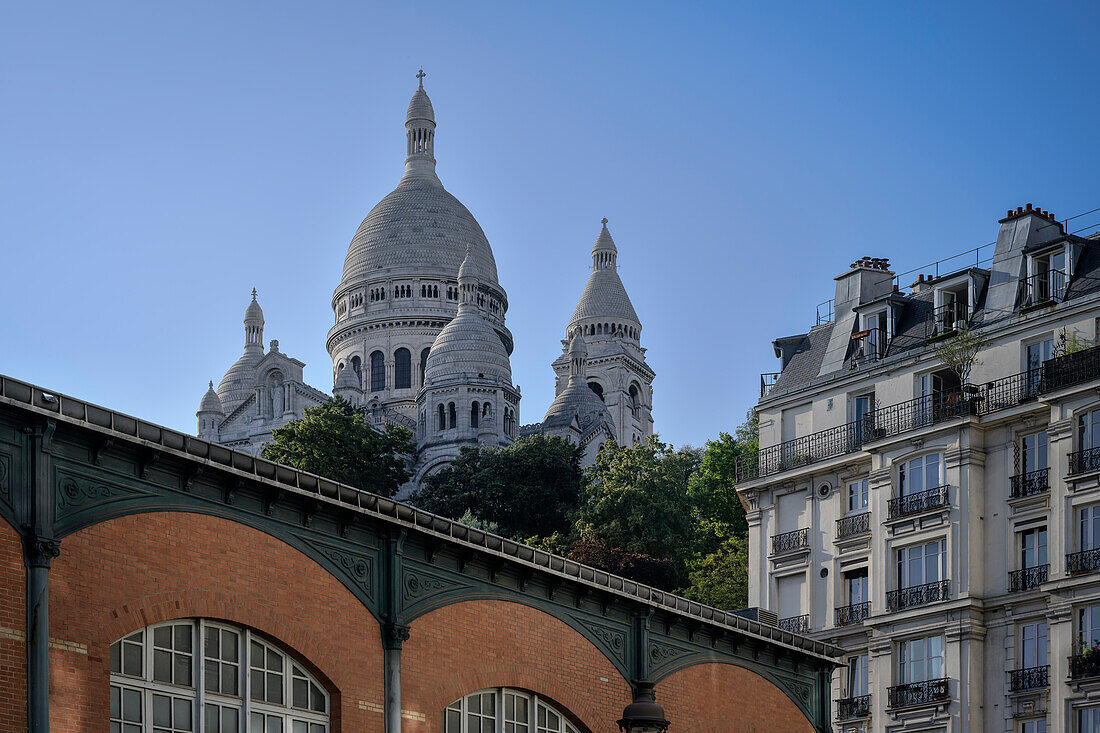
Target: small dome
(604, 298)
(254, 312)
(577, 399)
(347, 378)
(467, 347)
(420, 107)
(239, 381)
(468, 270)
(604, 242)
(211, 402)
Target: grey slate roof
(604, 296)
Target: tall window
(1088, 720)
(377, 372)
(1088, 430)
(1038, 725)
(1033, 452)
(157, 672)
(402, 369)
(452, 415)
(921, 659)
(424, 363)
(1088, 626)
(442, 418)
(1033, 548)
(921, 564)
(858, 497)
(857, 675)
(505, 711)
(920, 474)
(856, 586)
(1033, 644)
(1090, 527)
(634, 395)
(357, 367)
(474, 413)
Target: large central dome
(418, 228)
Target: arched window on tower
(377, 372)
(452, 415)
(634, 397)
(595, 387)
(402, 369)
(474, 414)
(442, 418)
(357, 367)
(424, 363)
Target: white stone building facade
(411, 335)
(945, 534)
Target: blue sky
(161, 159)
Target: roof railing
(921, 412)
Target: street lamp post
(643, 715)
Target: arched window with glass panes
(503, 710)
(194, 675)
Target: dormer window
(872, 338)
(951, 308)
(1047, 277)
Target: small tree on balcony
(960, 351)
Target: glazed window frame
(538, 715)
(143, 701)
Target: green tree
(333, 440)
(721, 578)
(715, 504)
(638, 502)
(528, 488)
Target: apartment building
(942, 528)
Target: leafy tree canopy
(527, 488)
(715, 504)
(333, 440)
(721, 578)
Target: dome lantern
(254, 326)
(420, 131)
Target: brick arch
(715, 697)
(129, 572)
(471, 645)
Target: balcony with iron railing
(1030, 484)
(853, 525)
(946, 319)
(1058, 373)
(1029, 678)
(1044, 288)
(918, 595)
(854, 613)
(795, 624)
(918, 503)
(918, 693)
(853, 708)
(1083, 562)
(870, 346)
(1085, 664)
(767, 381)
(1084, 461)
(1027, 578)
(788, 542)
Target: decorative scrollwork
(417, 584)
(394, 635)
(612, 639)
(72, 493)
(40, 550)
(660, 653)
(357, 567)
(4, 490)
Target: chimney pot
(920, 278)
(1019, 209)
(1009, 213)
(1029, 207)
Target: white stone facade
(399, 293)
(942, 534)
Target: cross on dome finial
(253, 293)
(420, 75)
(604, 221)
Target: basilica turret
(210, 414)
(577, 413)
(468, 397)
(616, 368)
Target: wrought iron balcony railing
(852, 614)
(918, 595)
(918, 693)
(1030, 483)
(946, 319)
(852, 708)
(918, 503)
(1086, 664)
(853, 525)
(1027, 578)
(870, 346)
(1046, 287)
(1084, 461)
(791, 541)
(1029, 678)
(795, 624)
(1054, 374)
(1086, 561)
(767, 381)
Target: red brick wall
(127, 573)
(467, 646)
(13, 623)
(709, 698)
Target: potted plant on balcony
(960, 354)
(1087, 661)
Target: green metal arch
(604, 646)
(146, 505)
